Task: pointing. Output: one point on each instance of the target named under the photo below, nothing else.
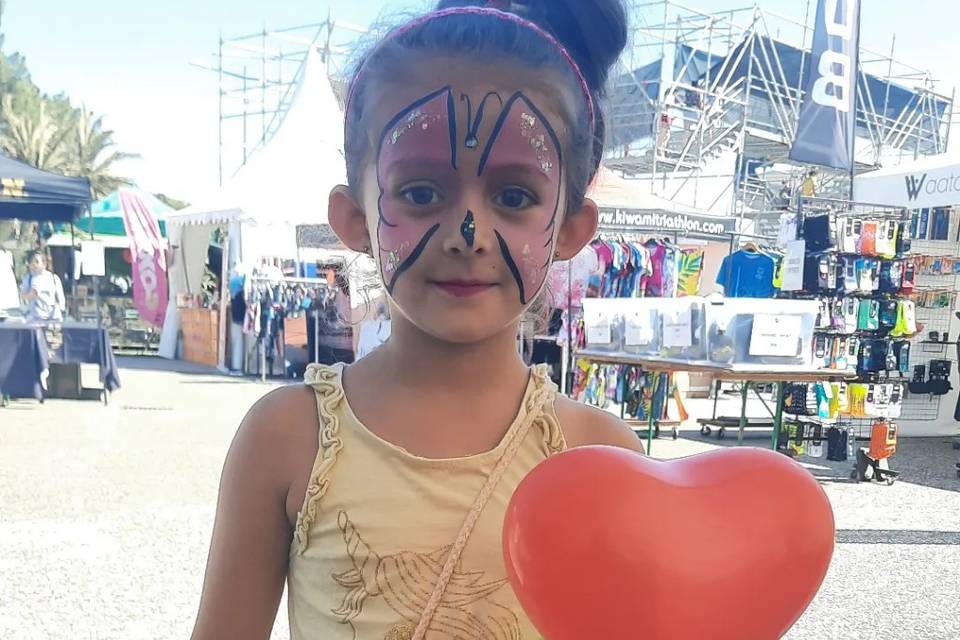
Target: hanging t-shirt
(848, 269)
(691, 268)
(868, 238)
(887, 239)
(747, 274)
(891, 276)
(653, 286)
(868, 274)
(598, 279)
(851, 313)
(9, 296)
(818, 232)
(671, 272)
(850, 231)
(788, 229)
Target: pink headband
(497, 13)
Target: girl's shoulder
(280, 432)
(583, 425)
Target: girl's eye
(515, 198)
(421, 195)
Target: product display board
(858, 267)
(936, 260)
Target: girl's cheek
(525, 137)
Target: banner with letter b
(827, 127)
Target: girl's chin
(464, 330)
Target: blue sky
(129, 60)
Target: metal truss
(694, 86)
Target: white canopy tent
(285, 183)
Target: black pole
(856, 87)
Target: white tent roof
(610, 191)
(287, 180)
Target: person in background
(42, 291)
(809, 187)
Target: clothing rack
(290, 281)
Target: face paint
(468, 229)
(425, 130)
(522, 136)
(522, 153)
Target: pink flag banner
(148, 258)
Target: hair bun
(594, 32)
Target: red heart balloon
(604, 543)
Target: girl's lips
(463, 288)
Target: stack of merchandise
(857, 266)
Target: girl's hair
(593, 33)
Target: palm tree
(93, 154)
(33, 136)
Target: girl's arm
(247, 565)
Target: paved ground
(105, 518)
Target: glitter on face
(410, 123)
(528, 123)
(395, 257)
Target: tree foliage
(49, 132)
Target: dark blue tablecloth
(25, 354)
(85, 343)
(23, 360)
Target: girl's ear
(348, 219)
(578, 228)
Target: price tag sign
(793, 266)
(597, 321)
(639, 329)
(775, 335)
(598, 330)
(677, 327)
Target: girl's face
(464, 196)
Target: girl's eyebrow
(425, 165)
(528, 170)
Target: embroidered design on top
(528, 123)
(405, 581)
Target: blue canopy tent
(28, 193)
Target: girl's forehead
(469, 84)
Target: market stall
(285, 183)
(106, 225)
(29, 350)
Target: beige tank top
(378, 523)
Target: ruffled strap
(539, 405)
(326, 383)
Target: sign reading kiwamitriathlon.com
(683, 223)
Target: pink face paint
(423, 132)
(523, 137)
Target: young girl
(378, 491)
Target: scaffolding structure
(704, 105)
(716, 96)
(257, 74)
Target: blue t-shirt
(747, 274)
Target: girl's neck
(428, 362)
